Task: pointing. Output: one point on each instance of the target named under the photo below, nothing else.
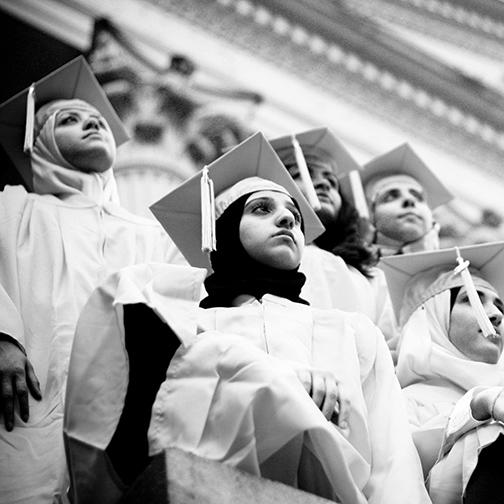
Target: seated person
(338, 265)
(262, 381)
(402, 192)
(448, 365)
(57, 244)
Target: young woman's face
(401, 212)
(326, 186)
(270, 230)
(464, 330)
(84, 139)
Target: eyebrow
(262, 199)
(79, 112)
(268, 199)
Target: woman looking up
(449, 367)
(261, 381)
(57, 244)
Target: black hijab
(236, 273)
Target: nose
(285, 219)
(91, 122)
(320, 182)
(495, 315)
(408, 201)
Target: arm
(17, 377)
(478, 406)
(385, 316)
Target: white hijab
(53, 174)
(426, 354)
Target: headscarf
(236, 273)
(53, 174)
(426, 353)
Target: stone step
(178, 477)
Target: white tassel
(358, 194)
(304, 173)
(481, 317)
(208, 242)
(30, 120)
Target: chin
(491, 356)
(327, 214)
(282, 263)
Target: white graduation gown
(53, 253)
(231, 393)
(446, 433)
(331, 283)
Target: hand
(16, 379)
(488, 403)
(327, 393)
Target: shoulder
(13, 192)
(315, 257)
(13, 200)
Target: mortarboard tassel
(481, 317)
(208, 242)
(304, 173)
(30, 120)
(358, 194)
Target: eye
(333, 181)
(293, 171)
(499, 305)
(260, 207)
(417, 195)
(296, 213)
(389, 196)
(67, 119)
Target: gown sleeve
(13, 201)
(396, 474)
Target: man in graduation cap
(402, 192)
(57, 242)
(338, 265)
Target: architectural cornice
(441, 21)
(344, 74)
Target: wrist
(10, 339)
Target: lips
(409, 214)
(494, 338)
(286, 233)
(93, 134)
(323, 196)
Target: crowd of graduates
(288, 313)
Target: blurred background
(191, 78)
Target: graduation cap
(72, 80)
(414, 278)
(322, 143)
(180, 211)
(404, 161)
